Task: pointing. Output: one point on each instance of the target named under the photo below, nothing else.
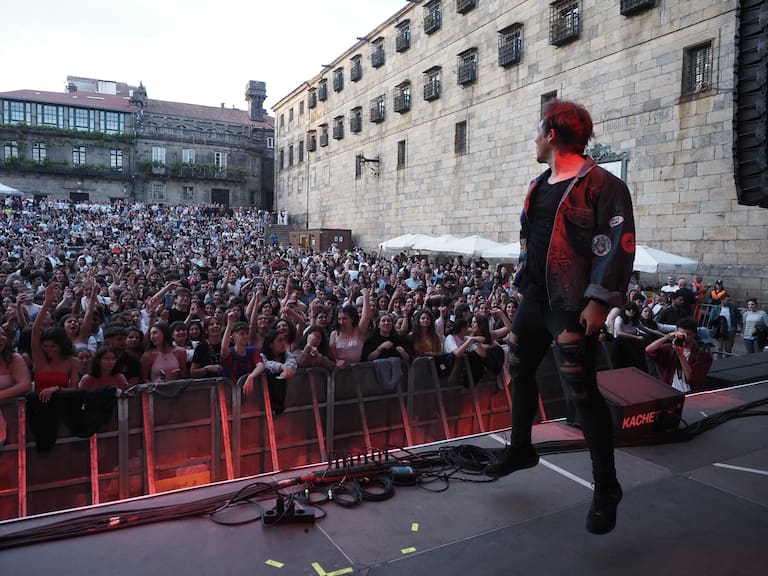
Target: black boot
(512, 458)
(602, 515)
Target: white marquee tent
(654, 261)
(8, 191)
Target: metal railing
(171, 435)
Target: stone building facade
(105, 141)
(426, 125)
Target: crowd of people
(117, 295)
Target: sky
(193, 51)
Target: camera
(679, 340)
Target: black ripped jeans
(535, 325)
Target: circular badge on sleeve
(601, 245)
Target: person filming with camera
(682, 361)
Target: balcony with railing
(355, 123)
(377, 110)
(564, 22)
(432, 18)
(402, 102)
(432, 89)
(467, 71)
(356, 70)
(377, 57)
(338, 130)
(510, 46)
(338, 80)
(403, 40)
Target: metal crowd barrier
(171, 435)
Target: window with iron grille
(377, 109)
(403, 38)
(400, 154)
(338, 80)
(402, 97)
(356, 68)
(322, 90)
(432, 18)
(281, 159)
(311, 141)
(511, 45)
(432, 84)
(358, 166)
(377, 53)
(697, 69)
(630, 7)
(300, 148)
(290, 155)
(312, 98)
(323, 134)
(460, 138)
(467, 66)
(356, 119)
(564, 22)
(464, 6)
(338, 128)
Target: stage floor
(691, 508)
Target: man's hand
(593, 317)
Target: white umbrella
(509, 251)
(654, 261)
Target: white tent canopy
(473, 246)
(404, 242)
(657, 261)
(8, 191)
(436, 244)
(509, 251)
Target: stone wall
(626, 70)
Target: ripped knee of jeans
(570, 348)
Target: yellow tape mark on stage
(415, 527)
(321, 572)
(340, 572)
(274, 563)
(408, 550)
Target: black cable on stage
(376, 488)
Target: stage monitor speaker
(643, 408)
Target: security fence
(171, 435)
